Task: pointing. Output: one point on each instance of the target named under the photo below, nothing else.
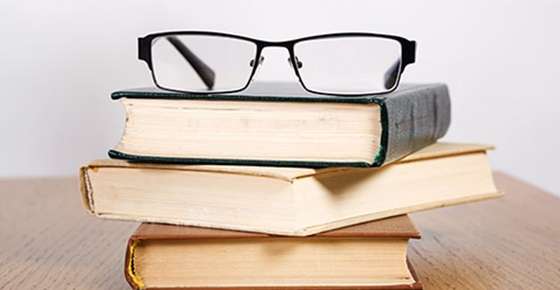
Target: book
(286, 201)
(366, 256)
(280, 124)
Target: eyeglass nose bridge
(295, 61)
(288, 45)
(298, 63)
(259, 63)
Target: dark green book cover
(412, 117)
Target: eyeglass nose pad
(252, 62)
(298, 63)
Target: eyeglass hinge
(144, 50)
(410, 53)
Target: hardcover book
(366, 256)
(286, 201)
(280, 124)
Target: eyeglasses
(332, 64)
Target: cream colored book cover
(287, 201)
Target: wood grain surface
(508, 243)
(47, 241)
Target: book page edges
(313, 229)
(411, 281)
(86, 190)
(136, 282)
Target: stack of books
(278, 188)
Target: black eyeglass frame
(408, 55)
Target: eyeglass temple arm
(206, 74)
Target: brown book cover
(396, 227)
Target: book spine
(133, 279)
(85, 189)
(413, 120)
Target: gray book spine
(414, 119)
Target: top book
(280, 124)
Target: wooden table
(47, 241)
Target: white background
(59, 61)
